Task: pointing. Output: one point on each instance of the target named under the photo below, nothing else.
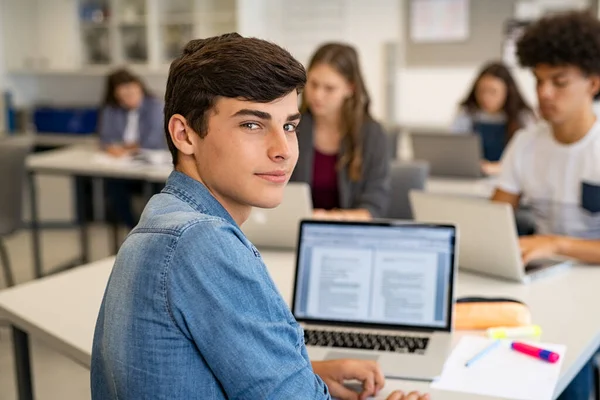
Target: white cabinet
(179, 21)
(58, 42)
(19, 34)
(40, 34)
(93, 36)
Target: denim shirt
(190, 312)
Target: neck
(575, 129)
(238, 212)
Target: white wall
(430, 96)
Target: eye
(251, 126)
(289, 128)
(561, 83)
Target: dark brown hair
(355, 110)
(514, 104)
(569, 38)
(227, 66)
(120, 77)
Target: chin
(268, 198)
(551, 119)
(267, 203)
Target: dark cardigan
(372, 191)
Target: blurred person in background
(343, 150)
(131, 119)
(495, 110)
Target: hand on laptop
(538, 246)
(335, 372)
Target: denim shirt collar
(196, 195)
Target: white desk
(53, 139)
(61, 310)
(81, 161)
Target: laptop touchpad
(336, 355)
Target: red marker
(536, 352)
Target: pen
(536, 352)
(482, 353)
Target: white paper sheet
(502, 372)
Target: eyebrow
(561, 74)
(262, 115)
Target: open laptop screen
(375, 274)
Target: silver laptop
(449, 154)
(278, 227)
(488, 235)
(377, 291)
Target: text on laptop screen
(376, 274)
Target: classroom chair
(13, 152)
(394, 134)
(405, 176)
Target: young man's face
(564, 92)
(249, 152)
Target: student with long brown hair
(494, 109)
(343, 150)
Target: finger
(527, 256)
(341, 392)
(413, 396)
(379, 377)
(396, 395)
(368, 385)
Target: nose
(545, 91)
(278, 146)
(318, 94)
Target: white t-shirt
(560, 182)
(132, 129)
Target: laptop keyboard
(365, 341)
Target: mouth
(273, 176)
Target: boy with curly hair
(555, 165)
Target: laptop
(489, 242)
(379, 291)
(449, 154)
(278, 227)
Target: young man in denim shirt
(190, 311)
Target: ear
(182, 135)
(594, 84)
